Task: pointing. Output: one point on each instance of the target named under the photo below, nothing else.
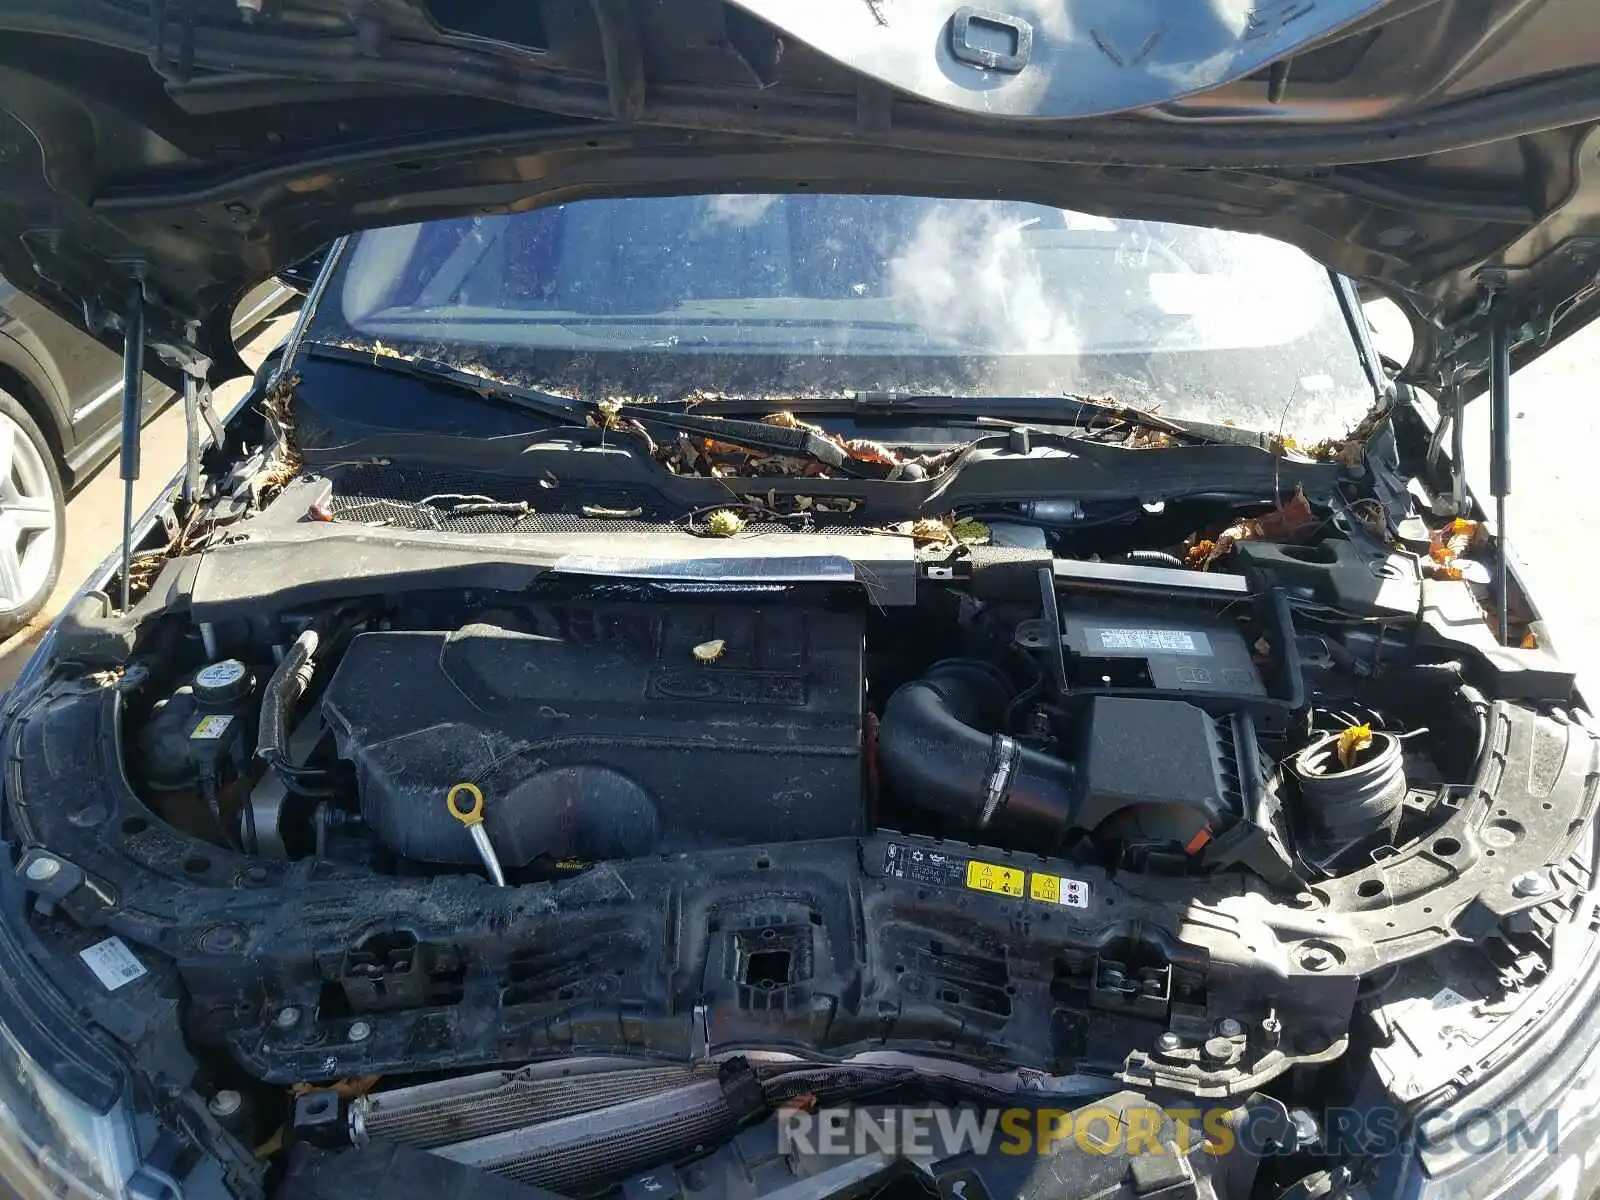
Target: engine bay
(1079, 811)
(1131, 713)
(612, 724)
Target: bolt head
(225, 1103)
(1170, 1041)
(1315, 959)
(1228, 1027)
(1306, 1132)
(287, 1018)
(360, 1031)
(42, 869)
(1530, 883)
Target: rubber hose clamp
(999, 782)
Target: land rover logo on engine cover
(737, 687)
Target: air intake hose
(280, 697)
(932, 750)
(283, 691)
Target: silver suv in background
(60, 405)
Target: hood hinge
(197, 407)
(1451, 411)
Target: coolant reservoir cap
(222, 682)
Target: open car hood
(1442, 153)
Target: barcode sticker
(1161, 641)
(113, 963)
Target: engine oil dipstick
(472, 818)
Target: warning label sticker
(210, 728)
(937, 868)
(1058, 889)
(991, 877)
(1159, 641)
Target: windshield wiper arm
(785, 440)
(545, 404)
(750, 435)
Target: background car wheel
(32, 518)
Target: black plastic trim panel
(830, 947)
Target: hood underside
(1444, 153)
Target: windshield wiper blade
(1058, 410)
(545, 404)
(1053, 410)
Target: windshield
(774, 296)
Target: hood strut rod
(132, 412)
(1500, 451)
(196, 408)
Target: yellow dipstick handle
(467, 816)
(472, 818)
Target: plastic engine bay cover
(603, 736)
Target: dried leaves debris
(1349, 450)
(193, 532)
(1289, 521)
(696, 455)
(283, 465)
(1353, 741)
(189, 537)
(947, 531)
(1451, 545)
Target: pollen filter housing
(603, 735)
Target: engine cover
(603, 736)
